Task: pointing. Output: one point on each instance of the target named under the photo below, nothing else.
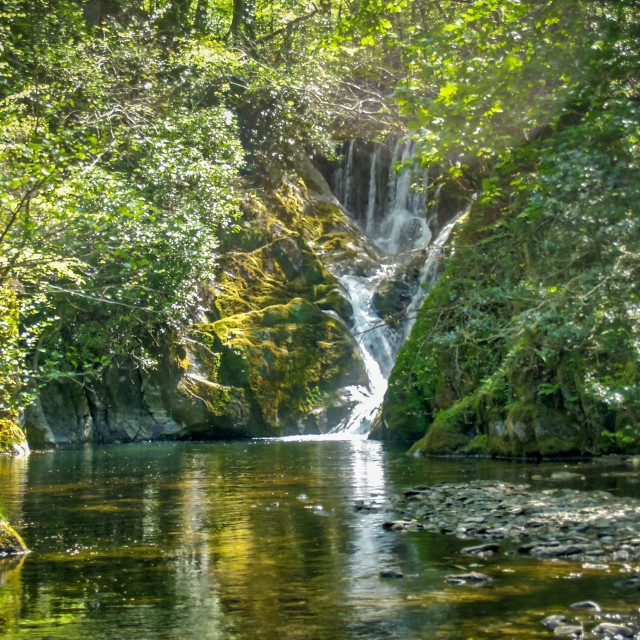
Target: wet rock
(554, 621)
(361, 505)
(484, 550)
(613, 629)
(557, 551)
(402, 525)
(586, 604)
(11, 544)
(566, 630)
(467, 578)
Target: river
(259, 539)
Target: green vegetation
(530, 342)
(124, 132)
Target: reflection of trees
(13, 477)
(205, 540)
(10, 592)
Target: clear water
(260, 540)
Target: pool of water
(259, 540)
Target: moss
(340, 244)
(478, 446)
(12, 438)
(329, 298)
(451, 431)
(11, 543)
(550, 446)
(323, 218)
(285, 356)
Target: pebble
(612, 629)
(569, 524)
(587, 604)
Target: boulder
(11, 544)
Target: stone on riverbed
(391, 573)
(483, 550)
(586, 604)
(565, 630)
(467, 578)
(632, 582)
(556, 551)
(402, 525)
(568, 524)
(554, 621)
(613, 629)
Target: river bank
(571, 530)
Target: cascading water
(402, 223)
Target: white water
(376, 350)
(371, 203)
(404, 225)
(399, 230)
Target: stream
(261, 539)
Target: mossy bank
(267, 355)
(11, 544)
(528, 346)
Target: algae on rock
(11, 544)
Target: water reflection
(256, 539)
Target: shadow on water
(260, 539)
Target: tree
(111, 191)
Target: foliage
(536, 319)
(112, 189)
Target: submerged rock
(467, 578)
(566, 630)
(554, 621)
(391, 573)
(613, 629)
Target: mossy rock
(11, 544)
(285, 357)
(451, 432)
(12, 438)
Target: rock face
(267, 356)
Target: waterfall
(399, 220)
(371, 201)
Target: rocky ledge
(591, 526)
